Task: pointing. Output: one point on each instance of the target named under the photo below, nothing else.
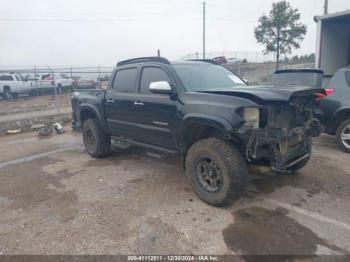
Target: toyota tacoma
(204, 113)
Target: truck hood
(263, 94)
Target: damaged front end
(279, 134)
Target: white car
(12, 84)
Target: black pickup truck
(204, 113)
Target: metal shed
(333, 42)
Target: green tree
(280, 31)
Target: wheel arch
(199, 126)
(339, 116)
(88, 111)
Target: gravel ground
(55, 199)
(26, 104)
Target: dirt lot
(55, 199)
(26, 104)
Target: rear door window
(124, 80)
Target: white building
(333, 42)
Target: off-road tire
(233, 169)
(7, 93)
(340, 128)
(102, 142)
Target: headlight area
(251, 117)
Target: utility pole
(203, 30)
(99, 76)
(57, 101)
(325, 7)
(36, 82)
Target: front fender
(217, 122)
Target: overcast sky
(91, 32)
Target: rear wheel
(343, 135)
(96, 141)
(216, 171)
(59, 89)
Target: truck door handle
(110, 100)
(137, 103)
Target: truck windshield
(206, 77)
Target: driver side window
(149, 75)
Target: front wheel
(343, 135)
(96, 141)
(216, 170)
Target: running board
(145, 145)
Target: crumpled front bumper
(283, 148)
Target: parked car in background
(220, 60)
(59, 80)
(333, 108)
(12, 85)
(336, 108)
(298, 77)
(85, 82)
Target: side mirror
(160, 87)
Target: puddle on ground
(26, 185)
(260, 231)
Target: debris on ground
(13, 131)
(44, 131)
(58, 128)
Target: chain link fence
(233, 57)
(41, 95)
(30, 83)
(262, 73)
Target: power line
(38, 20)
